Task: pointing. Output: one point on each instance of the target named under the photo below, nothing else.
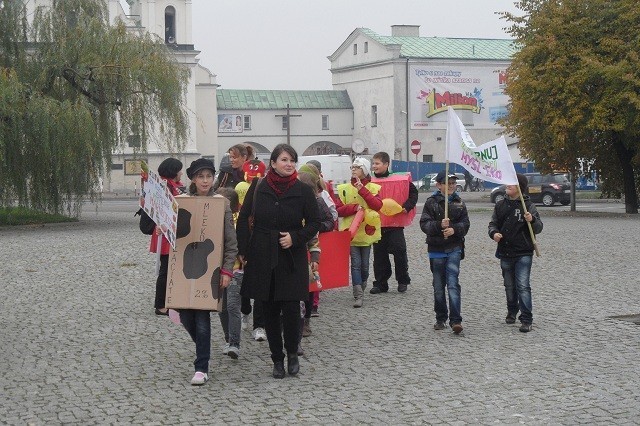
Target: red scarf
(280, 184)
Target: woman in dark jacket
(285, 217)
(232, 174)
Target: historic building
(401, 85)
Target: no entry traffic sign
(416, 146)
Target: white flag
(490, 161)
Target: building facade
(401, 85)
(314, 122)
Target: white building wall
(266, 129)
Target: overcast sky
(284, 44)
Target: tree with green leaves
(574, 87)
(72, 89)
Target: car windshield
(560, 179)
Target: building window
(374, 115)
(117, 166)
(366, 46)
(247, 122)
(325, 122)
(355, 49)
(133, 141)
(285, 122)
(170, 25)
(427, 158)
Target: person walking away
(170, 170)
(508, 227)
(392, 241)
(198, 322)
(273, 244)
(445, 245)
(360, 194)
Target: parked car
(428, 182)
(545, 189)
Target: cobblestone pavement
(82, 345)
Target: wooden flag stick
(533, 237)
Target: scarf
(281, 184)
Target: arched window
(170, 25)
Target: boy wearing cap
(445, 245)
(508, 227)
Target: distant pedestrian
(508, 227)
(445, 245)
(360, 195)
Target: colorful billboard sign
(230, 123)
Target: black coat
(431, 220)
(295, 212)
(508, 219)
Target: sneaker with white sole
(199, 378)
(233, 352)
(244, 324)
(225, 350)
(259, 334)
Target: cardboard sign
(161, 206)
(334, 260)
(396, 187)
(193, 279)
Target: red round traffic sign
(415, 146)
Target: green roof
(278, 99)
(448, 48)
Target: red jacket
(176, 189)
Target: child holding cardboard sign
(198, 322)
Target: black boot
(293, 366)
(278, 370)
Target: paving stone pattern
(81, 343)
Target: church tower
(168, 19)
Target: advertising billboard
(230, 123)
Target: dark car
(545, 189)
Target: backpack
(147, 225)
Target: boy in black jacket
(445, 244)
(508, 227)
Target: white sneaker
(259, 334)
(245, 322)
(199, 378)
(233, 352)
(225, 350)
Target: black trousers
(392, 242)
(161, 282)
(276, 328)
(258, 312)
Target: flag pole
(446, 190)
(533, 236)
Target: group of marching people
(271, 252)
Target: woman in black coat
(285, 217)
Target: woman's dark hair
(169, 168)
(231, 195)
(243, 150)
(279, 149)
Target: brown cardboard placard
(193, 278)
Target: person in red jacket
(169, 170)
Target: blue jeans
(360, 264)
(515, 273)
(198, 325)
(231, 317)
(445, 274)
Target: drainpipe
(407, 104)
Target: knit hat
(440, 177)
(200, 164)
(362, 163)
(316, 163)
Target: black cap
(440, 176)
(200, 164)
